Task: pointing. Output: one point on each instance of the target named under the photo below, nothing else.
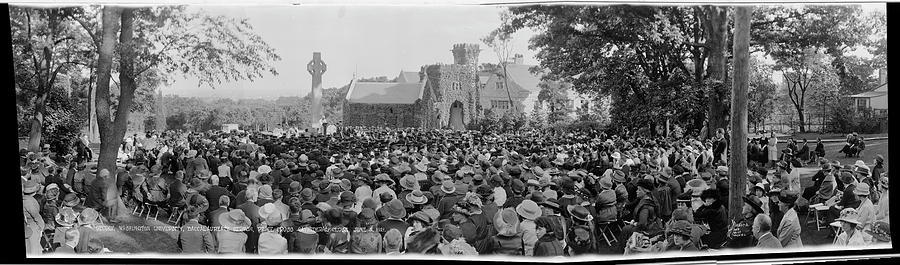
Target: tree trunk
(716, 27)
(109, 139)
(801, 119)
(37, 123)
(738, 158)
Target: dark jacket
(213, 194)
(548, 246)
(716, 217)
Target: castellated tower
(466, 54)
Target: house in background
(875, 100)
(524, 87)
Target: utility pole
(738, 167)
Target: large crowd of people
(395, 191)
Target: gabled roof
(385, 93)
(408, 77)
(879, 91)
(519, 73)
(870, 94)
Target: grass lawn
(812, 136)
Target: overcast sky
(371, 41)
(367, 40)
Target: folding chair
(150, 207)
(605, 230)
(836, 226)
(176, 215)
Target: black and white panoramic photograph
(585, 131)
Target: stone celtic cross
(316, 66)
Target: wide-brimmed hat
(30, 186)
(270, 213)
(754, 202)
(394, 209)
(384, 178)
(789, 196)
(697, 186)
(517, 186)
(618, 176)
(681, 227)
(528, 209)
(295, 187)
(448, 187)
(307, 195)
(347, 197)
(88, 216)
(421, 216)
(71, 200)
(710, 193)
(507, 222)
(416, 197)
(862, 189)
(580, 213)
(235, 221)
(409, 182)
(66, 216)
(849, 215)
(847, 178)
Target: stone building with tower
(448, 95)
(443, 96)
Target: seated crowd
(396, 191)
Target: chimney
(518, 59)
(422, 75)
(882, 76)
(465, 54)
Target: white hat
(264, 169)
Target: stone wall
(382, 115)
(448, 84)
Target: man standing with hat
(449, 200)
(33, 219)
(394, 214)
(528, 210)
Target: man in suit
(789, 228)
(214, 223)
(762, 230)
(251, 210)
(195, 237)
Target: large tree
(46, 46)
(652, 60)
(137, 42)
(797, 39)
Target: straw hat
(448, 187)
(862, 189)
(271, 214)
(409, 182)
(394, 209)
(235, 221)
(849, 215)
(681, 227)
(528, 209)
(696, 186)
(507, 222)
(580, 213)
(88, 216)
(416, 197)
(66, 217)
